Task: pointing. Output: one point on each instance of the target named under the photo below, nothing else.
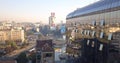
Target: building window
(48, 55)
(38, 56)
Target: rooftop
(45, 45)
(97, 6)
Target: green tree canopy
(22, 58)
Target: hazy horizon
(38, 10)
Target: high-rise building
(52, 20)
(93, 32)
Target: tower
(52, 21)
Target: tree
(22, 58)
(39, 36)
(14, 45)
(32, 57)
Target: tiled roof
(45, 45)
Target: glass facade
(109, 18)
(98, 7)
(98, 35)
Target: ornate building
(45, 51)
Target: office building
(92, 30)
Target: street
(18, 51)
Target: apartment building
(12, 34)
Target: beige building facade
(12, 34)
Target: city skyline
(38, 10)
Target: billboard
(63, 29)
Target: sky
(38, 10)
